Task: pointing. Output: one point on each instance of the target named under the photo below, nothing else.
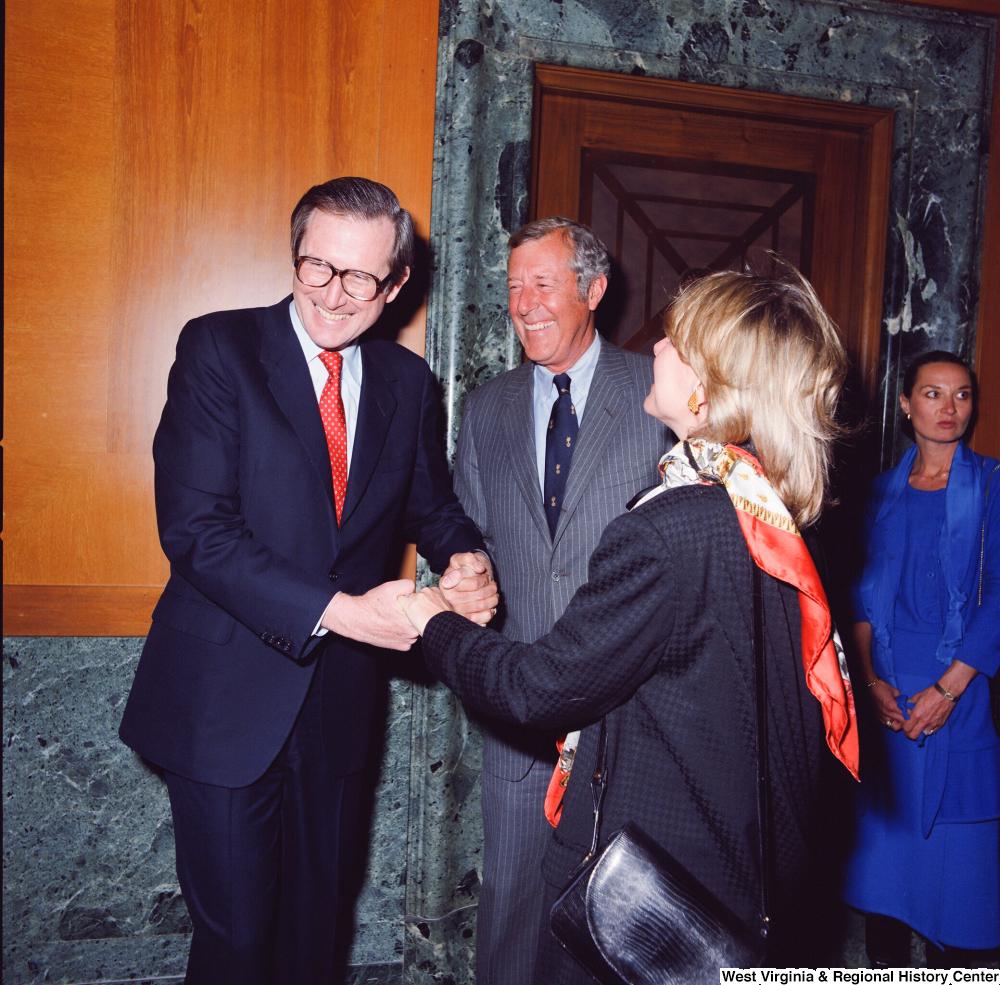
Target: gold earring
(693, 402)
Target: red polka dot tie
(331, 409)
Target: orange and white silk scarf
(777, 546)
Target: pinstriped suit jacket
(496, 479)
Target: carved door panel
(673, 176)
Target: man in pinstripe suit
(557, 275)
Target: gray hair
(589, 258)
(358, 198)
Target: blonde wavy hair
(772, 365)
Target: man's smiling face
(331, 318)
(554, 324)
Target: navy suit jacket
(245, 508)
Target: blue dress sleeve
(981, 643)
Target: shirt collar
(351, 353)
(582, 369)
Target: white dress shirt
(350, 392)
(350, 377)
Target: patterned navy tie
(559, 442)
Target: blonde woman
(659, 641)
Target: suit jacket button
(555, 576)
(334, 574)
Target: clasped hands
(927, 710)
(391, 616)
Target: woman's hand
(420, 607)
(930, 708)
(881, 693)
(883, 696)
(928, 712)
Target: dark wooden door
(830, 160)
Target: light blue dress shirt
(544, 396)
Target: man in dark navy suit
(290, 464)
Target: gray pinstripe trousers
(515, 836)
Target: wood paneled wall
(154, 152)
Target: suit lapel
(291, 386)
(607, 402)
(375, 410)
(518, 424)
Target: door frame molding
(873, 126)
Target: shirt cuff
(320, 630)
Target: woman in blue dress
(927, 844)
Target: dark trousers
(260, 866)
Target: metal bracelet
(875, 681)
(946, 694)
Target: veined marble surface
(933, 67)
(90, 891)
(88, 842)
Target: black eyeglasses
(356, 283)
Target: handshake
(392, 615)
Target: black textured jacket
(659, 640)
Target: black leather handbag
(633, 915)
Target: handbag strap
(599, 781)
(598, 784)
(763, 771)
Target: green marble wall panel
(933, 68)
(90, 891)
